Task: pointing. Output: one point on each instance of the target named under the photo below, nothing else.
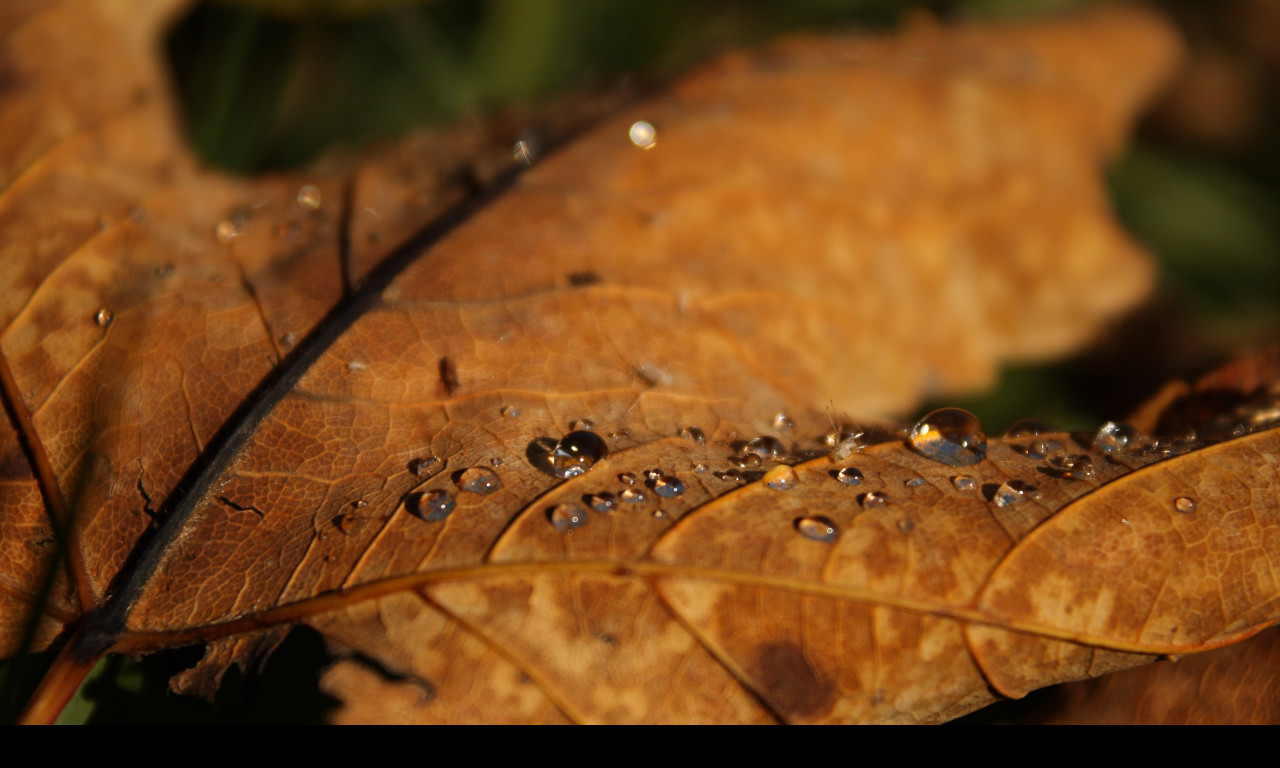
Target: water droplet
(309, 197)
(424, 466)
(693, 433)
(906, 526)
(1072, 467)
(874, 500)
(732, 476)
(1045, 449)
(1114, 437)
(627, 478)
(659, 514)
(104, 317)
(576, 453)
(750, 461)
(914, 482)
(567, 516)
(782, 422)
(781, 478)
(344, 522)
(1029, 428)
(849, 476)
(510, 412)
(524, 152)
(581, 424)
(1012, 492)
(1185, 505)
(817, 528)
(226, 231)
(633, 496)
(495, 461)
(652, 474)
(603, 502)
(765, 447)
(667, 486)
(964, 483)
(479, 480)
(1124, 521)
(643, 135)
(699, 467)
(431, 505)
(951, 436)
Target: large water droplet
(104, 317)
(667, 486)
(479, 480)
(849, 476)
(1012, 492)
(951, 436)
(576, 453)
(603, 502)
(1115, 437)
(567, 516)
(817, 528)
(432, 505)
(781, 478)
(874, 500)
(693, 433)
(1028, 428)
(1185, 505)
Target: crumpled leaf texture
(855, 220)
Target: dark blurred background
(269, 84)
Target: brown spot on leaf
(789, 685)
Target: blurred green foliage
(270, 83)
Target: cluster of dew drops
(949, 436)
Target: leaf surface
(238, 446)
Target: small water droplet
(914, 482)
(951, 436)
(782, 422)
(874, 500)
(642, 134)
(781, 478)
(750, 461)
(1028, 428)
(817, 528)
(495, 461)
(576, 453)
(659, 514)
(309, 196)
(226, 231)
(1072, 467)
(633, 496)
(667, 486)
(1124, 521)
(693, 433)
(1114, 437)
(581, 424)
(732, 476)
(1045, 449)
(423, 466)
(431, 505)
(700, 468)
(510, 412)
(764, 447)
(1185, 505)
(906, 526)
(627, 478)
(567, 516)
(524, 152)
(479, 480)
(964, 483)
(603, 502)
(652, 474)
(1012, 492)
(849, 476)
(104, 317)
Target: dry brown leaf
(268, 401)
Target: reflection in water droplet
(693, 433)
(964, 483)
(874, 500)
(627, 478)
(1185, 505)
(523, 152)
(603, 502)
(667, 486)
(633, 496)
(567, 516)
(951, 436)
(849, 476)
(781, 478)
(510, 412)
(432, 505)
(424, 466)
(764, 447)
(817, 528)
(1012, 492)
(642, 134)
(1072, 467)
(309, 197)
(104, 317)
(576, 453)
(782, 422)
(1115, 437)
(226, 231)
(1028, 428)
(479, 480)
